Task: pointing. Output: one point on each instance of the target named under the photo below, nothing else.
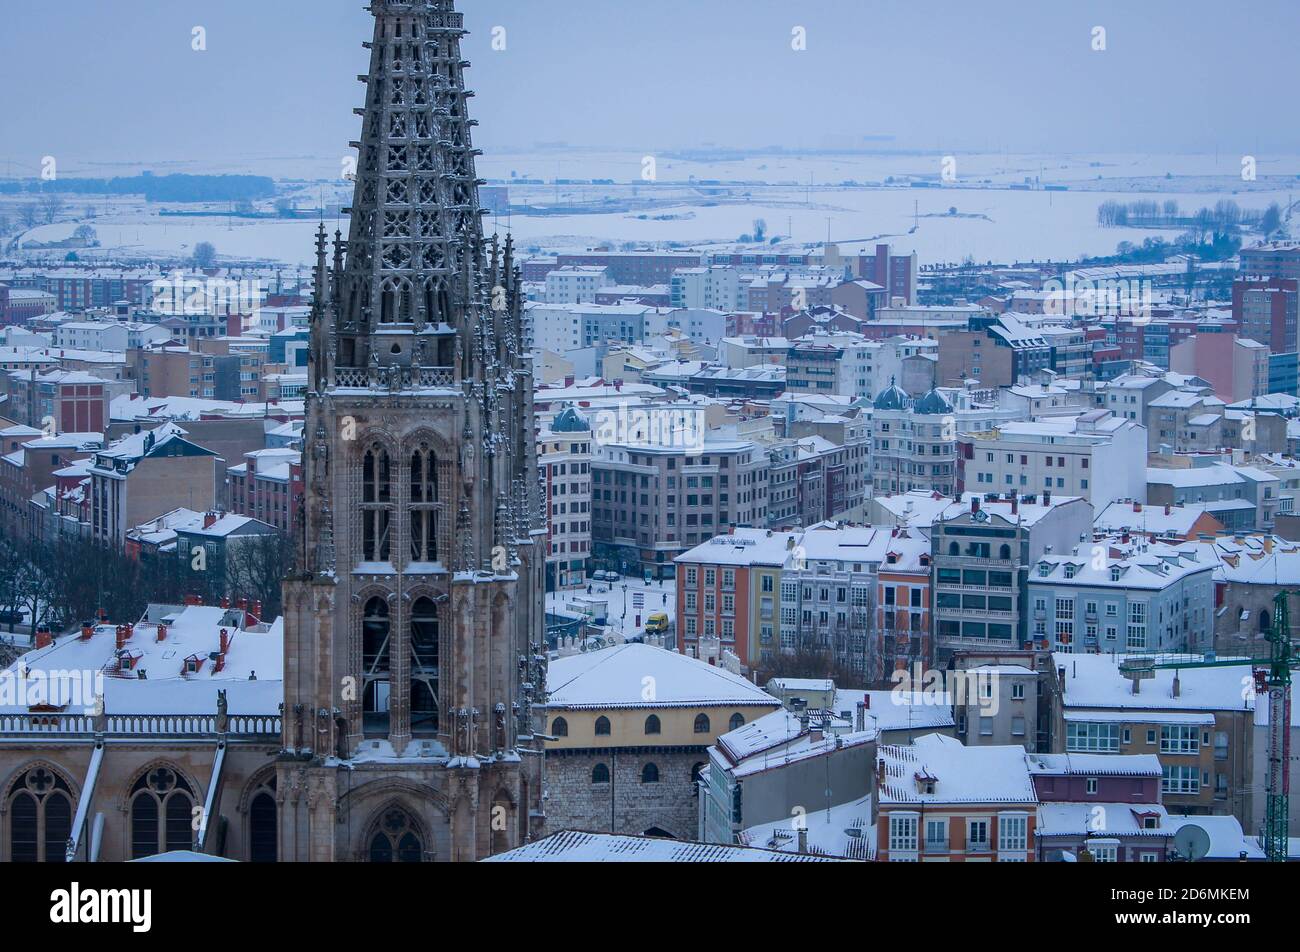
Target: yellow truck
(656, 623)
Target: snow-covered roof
(842, 830)
(165, 689)
(1095, 681)
(1094, 765)
(960, 774)
(618, 677)
(1121, 819)
(575, 847)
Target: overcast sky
(117, 80)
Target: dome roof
(569, 420)
(933, 402)
(893, 398)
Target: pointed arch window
(702, 723)
(424, 667)
(375, 664)
(376, 505)
(396, 840)
(263, 830)
(162, 810)
(424, 505)
(40, 817)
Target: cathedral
(413, 620)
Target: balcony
(933, 847)
(979, 848)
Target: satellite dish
(1192, 842)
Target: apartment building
(729, 588)
(145, 475)
(715, 287)
(651, 502)
(576, 284)
(564, 455)
(983, 549)
(913, 442)
(938, 800)
(268, 487)
(1160, 600)
(1095, 455)
(1197, 721)
(1241, 497)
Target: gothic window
(424, 505)
(396, 840)
(376, 506)
(652, 725)
(602, 727)
(600, 774)
(424, 667)
(559, 727)
(40, 818)
(701, 723)
(263, 836)
(375, 631)
(162, 811)
(737, 721)
(650, 773)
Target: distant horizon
(1012, 77)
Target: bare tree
(205, 255)
(29, 213)
(52, 206)
(256, 567)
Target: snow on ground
(619, 596)
(992, 222)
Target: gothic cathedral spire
(414, 619)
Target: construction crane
(1274, 674)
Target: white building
(576, 284)
(1096, 455)
(715, 287)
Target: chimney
(1169, 510)
(257, 610)
(121, 637)
(43, 637)
(1178, 685)
(974, 505)
(103, 616)
(803, 838)
(1137, 507)
(162, 632)
(1047, 497)
(87, 630)
(1137, 684)
(209, 520)
(225, 602)
(225, 640)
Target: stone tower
(414, 618)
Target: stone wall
(625, 804)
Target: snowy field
(800, 197)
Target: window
(424, 667)
(1179, 739)
(1092, 786)
(375, 666)
(903, 832)
(40, 817)
(424, 498)
(395, 840)
(702, 723)
(650, 773)
(559, 727)
(652, 725)
(1017, 692)
(1083, 737)
(1013, 832)
(977, 835)
(602, 726)
(1180, 780)
(737, 722)
(1107, 852)
(600, 774)
(162, 805)
(376, 506)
